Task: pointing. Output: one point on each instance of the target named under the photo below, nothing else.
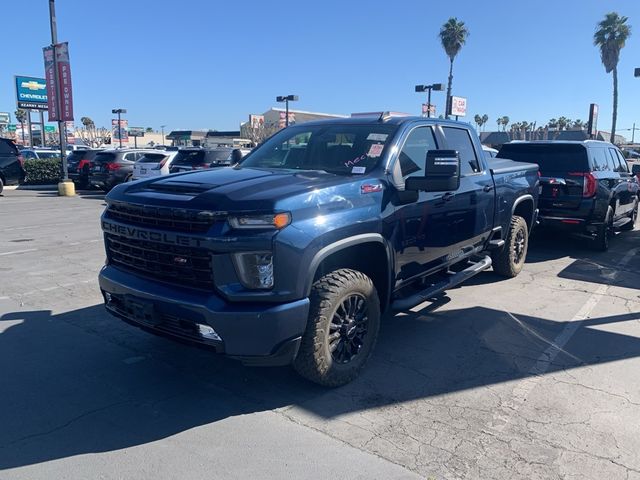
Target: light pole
(119, 111)
(162, 128)
(427, 88)
(286, 99)
(636, 72)
(633, 132)
(61, 129)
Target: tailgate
(561, 189)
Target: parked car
(586, 187)
(39, 153)
(489, 152)
(153, 164)
(195, 158)
(79, 165)
(112, 167)
(11, 164)
(292, 255)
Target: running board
(436, 289)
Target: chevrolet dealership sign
(31, 93)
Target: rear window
(152, 158)
(7, 148)
(550, 158)
(219, 156)
(105, 157)
(48, 154)
(186, 157)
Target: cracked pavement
(530, 378)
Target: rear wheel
(344, 319)
(634, 216)
(509, 261)
(1, 185)
(605, 231)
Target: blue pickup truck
(292, 255)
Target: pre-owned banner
(60, 101)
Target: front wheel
(343, 325)
(509, 261)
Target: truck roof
(381, 119)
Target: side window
(599, 159)
(414, 152)
(624, 166)
(459, 139)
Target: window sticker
(359, 170)
(376, 150)
(377, 137)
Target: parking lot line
(16, 252)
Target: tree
(92, 136)
(485, 119)
(21, 116)
(149, 130)
(578, 124)
(478, 120)
(562, 123)
(259, 132)
(553, 123)
(453, 35)
(610, 38)
(505, 122)
(87, 122)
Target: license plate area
(142, 311)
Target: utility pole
(286, 99)
(61, 125)
(162, 128)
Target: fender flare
(342, 244)
(524, 198)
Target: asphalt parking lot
(533, 378)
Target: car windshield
(152, 158)
(341, 149)
(48, 154)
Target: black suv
(79, 163)
(196, 158)
(113, 167)
(586, 187)
(11, 171)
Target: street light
(427, 88)
(162, 128)
(119, 111)
(636, 72)
(286, 99)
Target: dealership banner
(458, 106)
(63, 97)
(119, 132)
(31, 93)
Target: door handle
(448, 196)
(487, 188)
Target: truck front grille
(175, 219)
(182, 266)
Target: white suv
(153, 164)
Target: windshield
(341, 149)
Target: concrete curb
(31, 187)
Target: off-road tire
(627, 227)
(315, 361)
(605, 231)
(509, 260)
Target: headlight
(271, 221)
(255, 269)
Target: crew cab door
(421, 235)
(471, 208)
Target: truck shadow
(81, 382)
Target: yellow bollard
(66, 189)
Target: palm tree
(505, 122)
(553, 123)
(578, 124)
(562, 123)
(499, 122)
(485, 119)
(87, 122)
(610, 37)
(453, 35)
(21, 116)
(478, 120)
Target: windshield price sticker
(375, 150)
(377, 137)
(359, 170)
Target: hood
(230, 188)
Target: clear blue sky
(208, 64)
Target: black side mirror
(236, 156)
(635, 169)
(442, 173)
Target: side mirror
(635, 169)
(236, 156)
(442, 173)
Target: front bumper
(255, 333)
